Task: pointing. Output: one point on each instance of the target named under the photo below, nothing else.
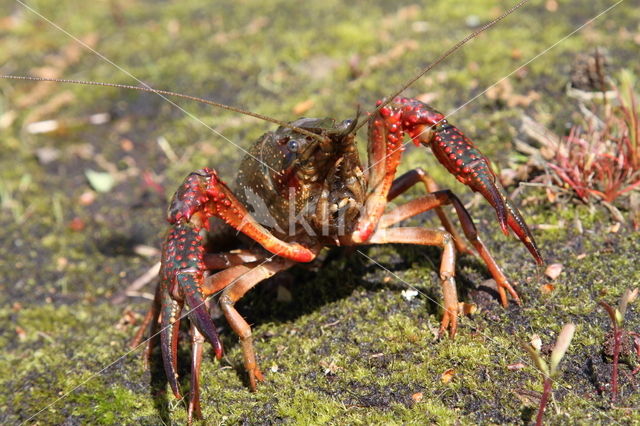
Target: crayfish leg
(418, 175)
(237, 281)
(450, 314)
(197, 346)
(149, 323)
(169, 333)
(428, 237)
(435, 200)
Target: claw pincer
(458, 154)
(182, 272)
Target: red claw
(181, 279)
(182, 276)
(459, 155)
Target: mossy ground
(348, 348)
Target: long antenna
(167, 93)
(425, 70)
(442, 57)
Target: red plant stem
(546, 393)
(617, 337)
(636, 344)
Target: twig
(137, 284)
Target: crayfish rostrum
(302, 188)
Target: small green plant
(619, 341)
(549, 370)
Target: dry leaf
(127, 319)
(527, 397)
(554, 270)
(551, 5)
(303, 106)
(417, 397)
(547, 288)
(614, 228)
(467, 308)
(127, 145)
(516, 366)
(100, 181)
(146, 251)
(62, 263)
(87, 198)
(22, 334)
(77, 224)
(409, 294)
(516, 54)
(536, 342)
(447, 376)
(47, 154)
(330, 368)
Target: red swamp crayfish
(340, 203)
(302, 188)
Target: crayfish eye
(293, 145)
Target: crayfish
(312, 191)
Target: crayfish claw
(199, 312)
(519, 226)
(460, 156)
(508, 214)
(169, 332)
(480, 178)
(181, 278)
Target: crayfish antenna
(442, 57)
(163, 93)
